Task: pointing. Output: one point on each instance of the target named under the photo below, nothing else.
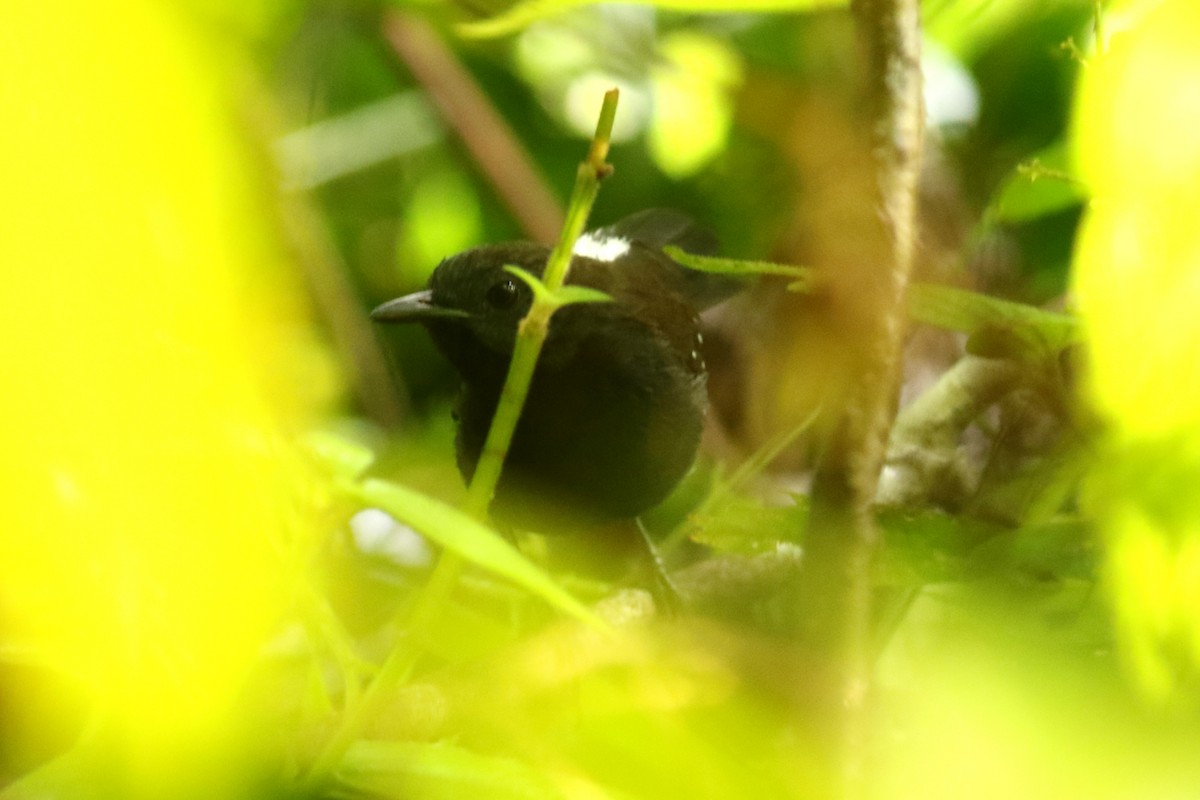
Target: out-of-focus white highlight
(951, 97)
(342, 145)
(377, 534)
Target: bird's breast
(606, 432)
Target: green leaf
(342, 457)
(470, 539)
(1034, 332)
(564, 296)
(568, 295)
(743, 525)
(1030, 331)
(1038, 186)
(539, 289)
(420, 771)
(1059, 549)
(924, 546)
(523, 14)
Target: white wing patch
(603, 248)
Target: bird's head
(472, 305)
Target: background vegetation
(201, 594)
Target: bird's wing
(656, 228)
(659, 227)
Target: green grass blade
(1035, 331)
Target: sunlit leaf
(470, 539)
(980, 686)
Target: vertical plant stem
(394, 671)
(530, 337)
(533, 329)
(835, 581)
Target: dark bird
(617, 401)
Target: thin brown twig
(472, 116)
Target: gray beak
(415, 307)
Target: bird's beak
(415, 307)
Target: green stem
(394, 672)
(530, 337)
(532, 332)
(512, 399)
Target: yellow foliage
(1137, 281)
(147, 327)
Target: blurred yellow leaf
(1137, 280)
(151, 342)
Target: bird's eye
(502, 295)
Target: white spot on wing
(602, 248)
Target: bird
(615, 408)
